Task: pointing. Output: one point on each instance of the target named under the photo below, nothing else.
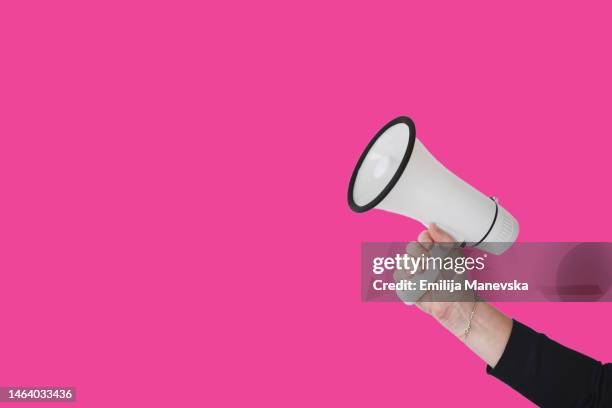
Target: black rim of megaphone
(398, 173)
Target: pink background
(173, 175)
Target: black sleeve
(551, 375)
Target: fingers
(439, 235)
(425, 239)
(416, 249)
(400, 275)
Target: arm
(489, 331)
(545, 372)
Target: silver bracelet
(466, 332)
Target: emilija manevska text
(457, 264)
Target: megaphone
(396, 173)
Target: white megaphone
(396, 173)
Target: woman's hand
(489, 329)
(440, 304)
(451, 308)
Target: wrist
(456, 317)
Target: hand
(441, 304)
(489, 328)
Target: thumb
(438, 234)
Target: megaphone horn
(396, 173)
